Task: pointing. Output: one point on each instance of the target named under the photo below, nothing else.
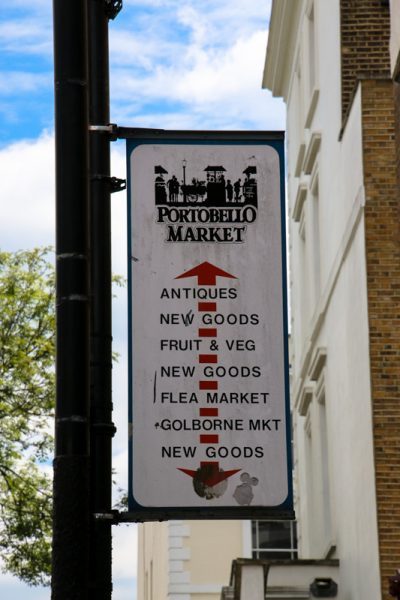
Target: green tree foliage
(27, 326)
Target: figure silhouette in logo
(229, 190)
(214, 190)
(249, 188)
(160, 189)
(236, 187)
(216, 194)
(176, 188)
(173, 189)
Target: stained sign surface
(208, 356)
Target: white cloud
(217, 15)
(206, 76)
(124, 570)
(150, 3)
(32, 5)
(120, 413)
(27, 176)
(28, 197)
(19, 82)
(225, 73)
(15, 30)
(29, 33)
(119, 211)
(11, 587)
(125, 551)
(141, 50)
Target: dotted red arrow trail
(208, 385)
(208, 358)
(209, 473)
(203, 332)
(209, 412)
(208, 438)
(207, 306)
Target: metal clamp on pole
(111, 129)
(116, 184)
(113, 7)
(106, 427)
(110, 517)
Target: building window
(274, 539)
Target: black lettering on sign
(177, 318)
(182, 233)
(241, 345)
(237, 397)
(180, 345)
(176, 371)
(178, 451)
(234, 452)
(198, 293)
(178, 398)
(230, 319)
(264, 424)
(232, 371)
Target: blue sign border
(275, 139)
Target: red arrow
(206, 274)
(209, 473)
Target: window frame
(262, 553)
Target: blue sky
(178, 64)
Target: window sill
(299, 202)
(299, 161)
(312, 107)
(304, 401)
(312, 152)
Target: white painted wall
(252, 584)
(153, 556)
(394, 35)
(337, 514)
(191, 559)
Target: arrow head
(206, 274)
(209, 474)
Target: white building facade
(329, 60)
(192, 560)
(189, 560)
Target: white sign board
(208, 335)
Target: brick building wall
(365, 36)
(381, 166)
(396, 94)
(383, 280)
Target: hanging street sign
(209, 406)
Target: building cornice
(283, 30)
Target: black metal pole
(71, 463)
(102, 428)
